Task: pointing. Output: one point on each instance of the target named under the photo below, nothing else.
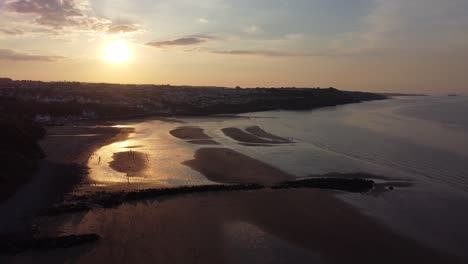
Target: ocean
(425, 138)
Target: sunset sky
(371, 45)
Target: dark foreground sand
(72, 144)
(240, 227)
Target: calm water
(400, 137)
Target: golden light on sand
(117, 52)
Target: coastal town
(56, 102)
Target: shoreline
(63, 168)
(54, 144)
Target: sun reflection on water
(163, 153)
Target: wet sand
(188, 133)
(253, 135)
(193, 135)
(66, 144)
(130, 162)
(203, 142)
(259, 132)
(225, 165)
(309, 225)
(211, 228)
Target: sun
(117, 52)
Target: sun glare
(117, 52)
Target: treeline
(277, 99)
(28, 109)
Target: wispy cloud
(185, 41)
(122, 28)
(11, 55)
(265, 53)
(11, 31)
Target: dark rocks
(152, 193)
(350, 185)
(112, 199)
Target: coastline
(314, 220)
(83, 140)
(67, 149)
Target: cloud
(194, 40)
(186, 41)
(265, 53)
(122, 28)
(66, 14)
(11, 55)
(57, 13)
(11, 31)
(202, 36)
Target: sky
(367, 45)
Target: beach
(67, 149)
(254, 136)
(238, 227)
(265, 225)
(75, 144)
(225, 165)
(193, 135)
